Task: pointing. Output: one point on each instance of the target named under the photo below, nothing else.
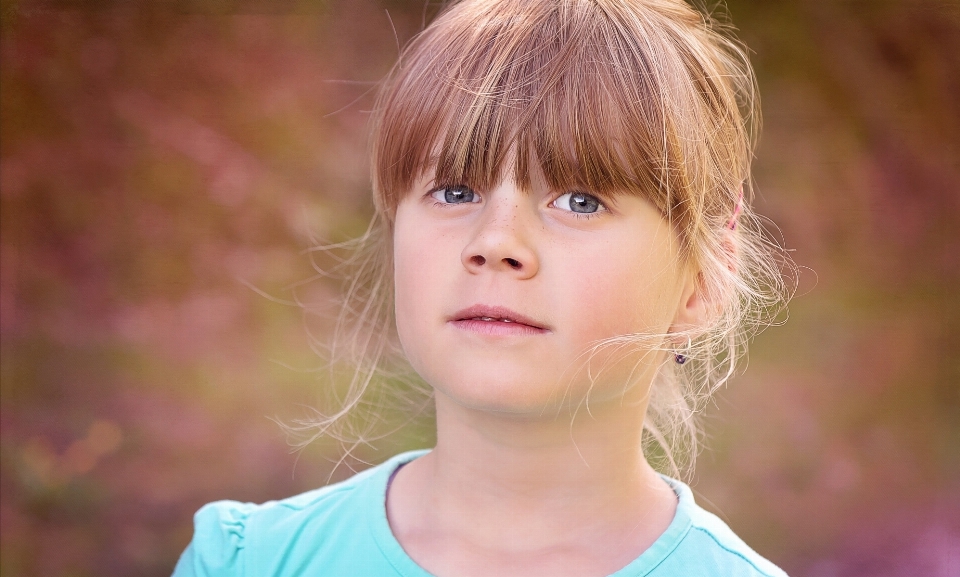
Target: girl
(573, 268)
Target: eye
(579, 202)
(458, 194)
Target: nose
(501, 241)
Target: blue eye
(579, 202)
(455, 195)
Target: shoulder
(721, 546)
(711, 548)
(233, 538)
(229, 537)
(218, 540)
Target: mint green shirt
(342, 531)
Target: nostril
(478, 260)
(513, 262)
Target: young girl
(573, 269)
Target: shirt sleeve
(218, 541)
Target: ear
(703, 300)
(693, 310)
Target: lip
(512, 323)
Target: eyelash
(579, 215)
(436, 202)
(583, 215)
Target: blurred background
(163, 165)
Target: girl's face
(499, 294)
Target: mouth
(496, 320)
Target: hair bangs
(554, 88)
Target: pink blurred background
(159, 159)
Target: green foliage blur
(165, 165)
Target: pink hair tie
(732, 223)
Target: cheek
(408, 292)
(421, 262)
(627, 292)
(624, 291)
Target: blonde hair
(645, 97)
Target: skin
(538, 469)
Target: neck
(500, 484)
(576, 458)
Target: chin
(513, 391)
